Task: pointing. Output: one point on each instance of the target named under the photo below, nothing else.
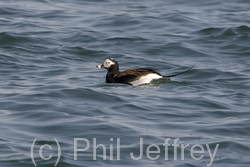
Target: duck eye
(108, 62)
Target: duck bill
(100, 66)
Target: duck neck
(114, 69)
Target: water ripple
(50, 86)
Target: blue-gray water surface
(57, 110)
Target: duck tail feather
(169, 76)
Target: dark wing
(142, 71)
(133, 74)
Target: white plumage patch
(146, 79)
(107, 63)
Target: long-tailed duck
(138, 76)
